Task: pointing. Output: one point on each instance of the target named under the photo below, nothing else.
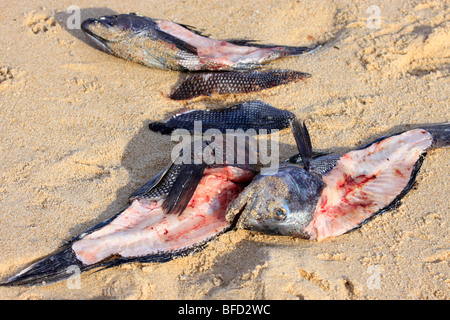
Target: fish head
(108, 30)
(279, 202)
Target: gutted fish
(340, 192)
(208, 84)
(247, 115)
(160, 224)
(185, 205)
(174, 214)
(168, 45)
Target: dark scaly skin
(233, 82)
(175, 183)
(248, 115)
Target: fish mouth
(98, 40)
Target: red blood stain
(398, 173)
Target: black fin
(245, 42)
(194, 30)
(183, 188)
(53, 268)
(180, 44)
(161, 127)
(303, 141)
(440, 133)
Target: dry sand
(75, 144)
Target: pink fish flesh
(341, 192)
(144, 229)
(365, 181)
(168, 45)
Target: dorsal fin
(303, 141)
(245, 42)
(180, 44)
(194, 30)
(183, 188)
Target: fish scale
(208, 84)
(171, 46)
(164, 186)
(247, 115)
(284, 200)
(357, 185)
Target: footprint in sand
(39, 22)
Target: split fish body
(186, 205)
(167, 45)
(207, 84)
(175, 213)
(145, 228)
(341, 192)
(147, 231)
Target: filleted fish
(168, 45)
(186, 205)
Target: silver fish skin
(281, 202)
(335, 194)
(171, 46)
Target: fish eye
(280, 214)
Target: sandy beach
(75, 144)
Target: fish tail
(288, 50)
(59, 266)
(440, 133)
(295, 51)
